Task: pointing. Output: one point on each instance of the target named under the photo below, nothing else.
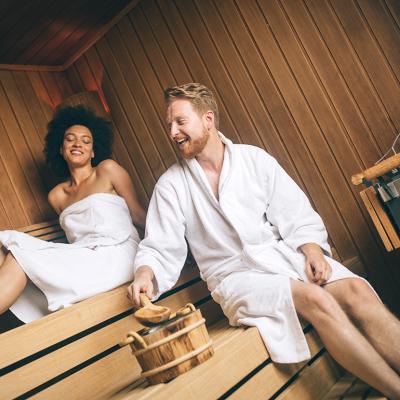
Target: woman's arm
(54, 198)
(122, 184)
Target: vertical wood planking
(353, 72)
(385, 30)
(314, 82)
(25, 181)
(386, 85)
(199, 69)
(298, 78)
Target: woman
(96, 205)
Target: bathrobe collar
(226, 171)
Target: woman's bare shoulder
(56, 196)
(109, 167)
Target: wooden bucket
(173, 347)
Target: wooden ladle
(151, 314)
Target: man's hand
(318, 270)
(143, 283)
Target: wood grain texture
(315, 86)
(46, 34)
(315, 83)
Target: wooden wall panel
(25, 181)
(315, 83)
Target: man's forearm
(311, 248)
(144, 271)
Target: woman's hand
(143, 283)
(317, 268)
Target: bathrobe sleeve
(289, 209)
(164, 247)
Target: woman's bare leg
(12, 282)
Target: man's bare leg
(12, 282)
(378, 324)
(342, 339)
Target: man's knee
(317, 305)
(358, 296)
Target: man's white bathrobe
(246, 244)
(99, 256)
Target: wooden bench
(74, 353)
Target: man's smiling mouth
(181, 141)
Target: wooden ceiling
(52, 34)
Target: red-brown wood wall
(314, 82)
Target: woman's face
(77, 147)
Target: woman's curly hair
(64, 118)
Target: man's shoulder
(250, 151)
(171, 175)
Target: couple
(259, 245)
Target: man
(261, 248)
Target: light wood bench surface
(74, 353)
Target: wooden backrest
(54, 355)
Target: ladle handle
(144, 300)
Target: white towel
(99, 257)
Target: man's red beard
(194, 147)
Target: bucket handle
(131, 337)
(183, 311)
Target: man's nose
(173, 131)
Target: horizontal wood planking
(315, 381)
(350, 388)
(45, 368)
(90, 330)
(26, 341)
(113, 383)
(93, 341)
(266, 382)
(238, 353)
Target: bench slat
(90, 365)
(31, 229)
(273, 376)
(28, 339)
(314, 381)
(46, 368)
(234, 358)
(93, 377)
(97, 381)
(42, 370)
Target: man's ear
(209, 117)
(92, 154)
